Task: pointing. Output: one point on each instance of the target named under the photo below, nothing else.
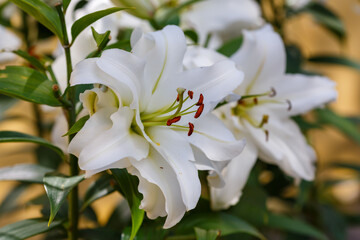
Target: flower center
(249, 101)
(181, 106)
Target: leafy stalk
(71, 115)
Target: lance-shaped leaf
(46, 15)
(57, 188)
(10, 202)
(326, 116)
(338, 60)
(66, 4)
(82, 23)
(327, 18)
(230, 47)
(26, 228)
(101, 39)
(292, 225)
(24, 173)
(77, 126)
(225, 223)
(202, 234)
(128, 187)
(27, 84)
(98, 189)
(10, 136)
(5, 103)
(36, 63)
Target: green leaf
(10, 202)
(334, 222)
(77, 126)
(26, 228)
(10, 136)
(36, 63)
(229, 48)
(101, 39)
(202, 234)
(128, 186)
(48, 158)
(124, 44)
(305, 125)
(304, 194)
(192, 35)
(352, 166)
(66, 4)
(225, 223)
(292, 225)
(337, 60)
(294, 59)
(326, 116)
(326, 17)
(46, 15)
(27, 84)
(24, 173)
(82, 23)
(57, 188)
(6, 103)
(98, 189)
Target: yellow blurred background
(329, 143)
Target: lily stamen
(191, 129)
(289, 103)
(191, 94)
(173, 120)
(199, 111)
(264, 120)
(201, 99)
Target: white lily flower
(83, 46)
(222, 19)
(142, 119)
(8, 42)
(264, 119)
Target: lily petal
(114, 144)
(98, 123)
(305, 92)
(235, 175)
(214, 178)
(214, 139)
(224, 19)
(127, 71)
(178, 153)
(262, 58)
(157, 171)
(164, 52)
(214, 82)
(196, 56)
(153, 201)
(124, 163)
(286, 147)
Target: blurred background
(338, 154)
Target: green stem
(38, 120)
(74, 169)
